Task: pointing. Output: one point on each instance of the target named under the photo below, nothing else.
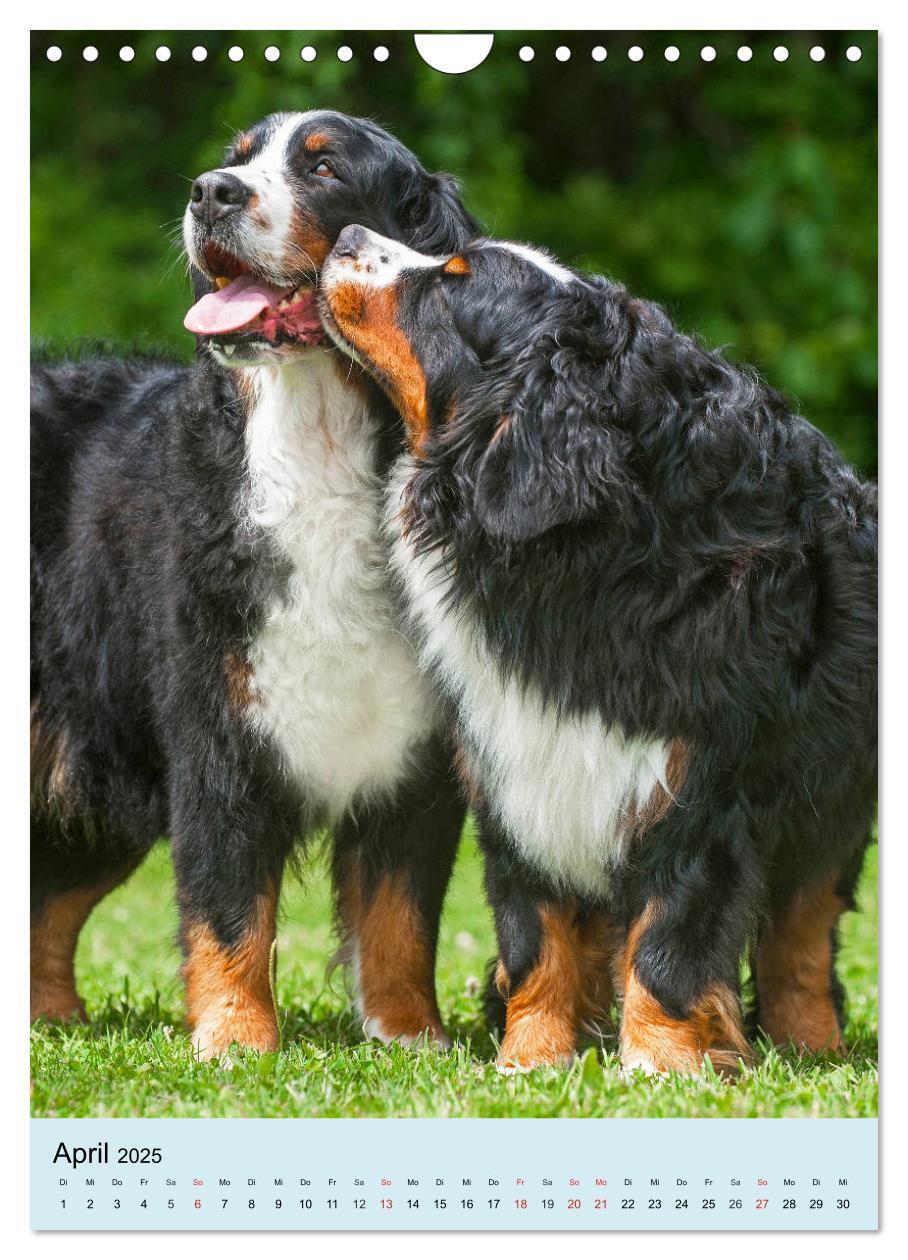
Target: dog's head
(258, 229)
(506, 367)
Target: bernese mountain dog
(216, 657)
(646, 591)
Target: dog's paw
(432, 1036)
(60, 1005)
(213, 1036)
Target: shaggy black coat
(148, 586)
(635, 528)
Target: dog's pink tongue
(231, 308)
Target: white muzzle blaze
(379, 262)
(266, 242)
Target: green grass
(133, 1058)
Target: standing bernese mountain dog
(646, 591)
(215, 653)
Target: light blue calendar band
(462, 1174)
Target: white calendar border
(467, 15)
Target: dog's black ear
(436, 220)
(559, 454)
(533, 478)
(553, 460)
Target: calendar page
(454, 692)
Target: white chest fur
(564, 788)
(337, 686)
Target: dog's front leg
(392, 864)
(553, 971)
(229, 847)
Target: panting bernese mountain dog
(216, 657)
(646, 591)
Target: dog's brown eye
(324, 169)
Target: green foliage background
(740, 195)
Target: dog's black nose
(216, 194)
(351, 241)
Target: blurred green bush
(741, 196)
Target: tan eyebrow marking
(244, 145)
(457, 266)
(317, 141)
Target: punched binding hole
(380, 53)
(453, 54)
(272, 53)
(90, 53)
(199, 53)
(526, 53)
(599, 53)
(308, 53)
(635, 53)
(162, 53)
(54, 53)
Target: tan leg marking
(394, 968)
(228, 992)
(599, 941)
(655, 1042)
(794, 965)
(54, 936)
(568, 987)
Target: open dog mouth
(245, 308)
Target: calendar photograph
(454, 583)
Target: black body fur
(147, 577)
(636, 528)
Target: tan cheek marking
(567, 988)
(368, 319)
(794, 968)
(457, 266)
(395, 966)
(228, 991)
(348, 306)
(653, 1040)
(257, 214)
(306, 247)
